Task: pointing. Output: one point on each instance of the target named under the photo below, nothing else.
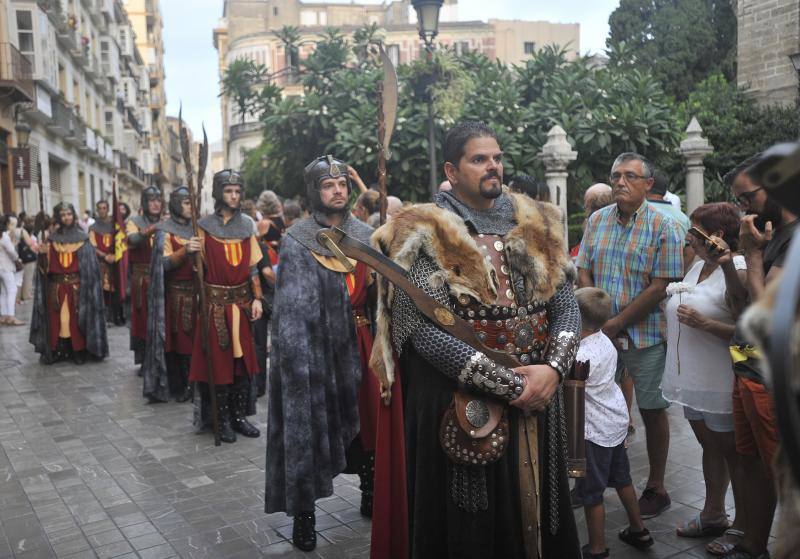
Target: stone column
(694, 149)
(556, 155)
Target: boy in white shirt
(606, 428)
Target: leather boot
(79, 357)
(238, 403)
(366, 475)
(187, 390)
(304, 537)
(173, 375)
(226, 433)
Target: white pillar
(556, 155)
(694, 149)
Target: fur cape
(535, 247)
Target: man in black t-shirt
(765, 233)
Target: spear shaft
(200, 282)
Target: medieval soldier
(68, 315)
(172, 304)
(140, 230)
(101, 235)
(497, 260)
(233, 300)
(315, 385)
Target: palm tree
(238, 83)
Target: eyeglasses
(747, 197)
(628, 176)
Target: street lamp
(264, 169)
(428, 26)
(427, 19)
(23, 131)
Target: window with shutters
(530, 47)
(25, 34)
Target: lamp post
(264, 169)
(795, 58)
(21, 158)
(428, 26)
(23, 131)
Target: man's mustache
(490, 175)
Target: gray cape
(313, 381)
(91, 312)
(154, 366)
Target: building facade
(90, 110)
(248, 30)
(768, 34)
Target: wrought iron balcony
(16, 74)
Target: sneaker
(652, 503)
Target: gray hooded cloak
(315, 374)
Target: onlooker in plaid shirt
(632, 252)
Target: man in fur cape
(317, 403)
(172, 302)
(499, 261)
(68, 315)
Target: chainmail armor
(450, 355)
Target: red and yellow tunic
(139, 259)
(180, 301)
(227, 270)
(105, 244)
(62, 296)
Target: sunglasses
(747, 197)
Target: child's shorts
(605, 467)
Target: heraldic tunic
(62, 300)
(181, 308)
(227, 264)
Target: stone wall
(768, 32)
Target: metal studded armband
(483, 374)
(561, 352)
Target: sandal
(720, 547)
(639, 540)
(695, 528)
(586, 554)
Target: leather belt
(181, 287)
(65, 278)
(228, 295)
(361, 318)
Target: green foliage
(735, 126)
(239, 82)
(680, 41)
(604, 112)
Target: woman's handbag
(474, 429)
(25, 253)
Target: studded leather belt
(184, 288)
(228, 295)
(65, 278)
(518, 331)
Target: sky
(191, 60)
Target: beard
(488, 190)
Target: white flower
(369, 150)
(678, 287)
(520, 129)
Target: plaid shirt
(624, 258)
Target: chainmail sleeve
(135, 239)
(565, 328)
(448, 354)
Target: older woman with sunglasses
(698, 372)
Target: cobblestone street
(87, 469)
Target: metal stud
(498, 246)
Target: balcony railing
(63, 121)
(16, 72)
